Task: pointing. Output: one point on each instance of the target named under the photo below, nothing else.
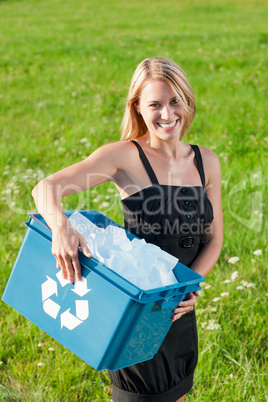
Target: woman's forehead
(155, 89)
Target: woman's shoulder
(117, 145)
(208, 155)
(118, 153)
(117, 148)
(211, 164)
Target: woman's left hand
(185, 306)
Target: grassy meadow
(65, 68)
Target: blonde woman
(171, 196)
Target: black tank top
(175, 218)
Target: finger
(61, 265)
(84, 247)
(69, 269)
(77, 268)
(177, 316)
(190, 301)
(57, 260)
(183, 310)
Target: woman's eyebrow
(157, 101)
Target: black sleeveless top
(176, 218)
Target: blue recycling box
(104, 319)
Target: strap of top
(199, 162)
(146, 163)
(151, 173)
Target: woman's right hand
(65, 244)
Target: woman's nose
(166, 113)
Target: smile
(168, 125)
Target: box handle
(172, 301)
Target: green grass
(65, 68)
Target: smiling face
(161, 110)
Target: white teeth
(170, 125)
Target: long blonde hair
(160, 68)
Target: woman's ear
(136, 106)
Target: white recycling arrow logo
(67, 319)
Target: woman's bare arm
(101, 166)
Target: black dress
(176, 219)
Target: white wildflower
(203, 324)
(61, 149)
(212, 325)
(224, 294)
(83, 140)
(251, 285)
(51, 349)
(40, 364)
(200, 310)
(40, 344)
(234, 275)
(105, 204)
(240, 288)
(216, 299)
(213, 309)
(257, 252)
(244, 283)
(1, 363)
(233, 260)
(227, 281)
(231, 376)
(207, 286)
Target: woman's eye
(174, 101)
(154, 105)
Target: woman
(171, 196)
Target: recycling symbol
(67, 319)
